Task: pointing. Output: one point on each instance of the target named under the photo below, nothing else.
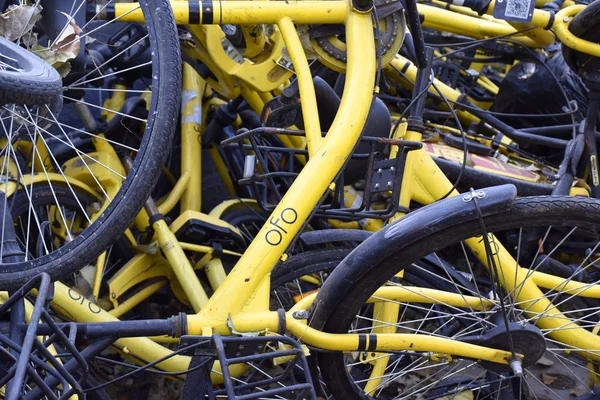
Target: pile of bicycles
(342, 199)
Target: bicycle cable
(494, 276)
(464, 141)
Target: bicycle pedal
(251, 367)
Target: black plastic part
(224, 116)
(414, 23)
(197, 231)
(548, 264)
(516, 135)
(479, 6)
(378, 125)
(421, 83)
(278, 113)
(568, 168)
(591, 152)
(530, 88)
(528, 340)
(362, 5)
(130, 49)
(250, 119)
(121, 329)
(11, 250)
(472, 177)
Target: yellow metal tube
(222, 170)
(350, 342)
(215, 273)
(191, 148)
(387, 313)
(137, 298)
(297, 204)
(167, 203)
(410, 294)
(566, 286)
(310, 112)
(180, 264)
(561, 28)
(398, 342)
(100, 265)
(454, 22)
(205, 249)
(247, 12)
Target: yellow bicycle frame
(239, 302)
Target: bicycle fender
(449, 212)
(400, 235)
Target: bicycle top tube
(239, 12)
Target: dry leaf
(468, 395)
(68, 41)
(548, 379)
(65, 48)
(18, 20)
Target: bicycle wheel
(119, 86)
(302, 274)
(554, 235)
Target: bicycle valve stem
(516, 364)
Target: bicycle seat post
(419, 95)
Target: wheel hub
(527, 340)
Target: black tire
(363, 272)
(42, 195)
(307, 263)
(285, 278)
(156, 142)
(26, 79)
(247, 220)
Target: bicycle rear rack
(259, 353)
(271, 167)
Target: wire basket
(275, 367)
(35, 366)
(270, 169)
